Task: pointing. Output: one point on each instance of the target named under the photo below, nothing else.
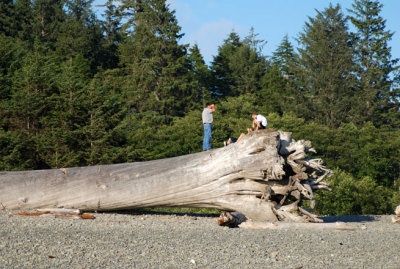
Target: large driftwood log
(265, 176)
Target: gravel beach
(191, 241)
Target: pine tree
(239, 66)
(112, 30)
(81, 34)
(48, 16)
(69, 115)
(222, 75)
(248, 65)
(32, 84)
(105, 113)
(279, 84)
(155, 64)
(201, 77)
(284, 57)
(16, 19)
(326, 67)
(112, 23)
(376, 66)
(12, 51)
(6, 16)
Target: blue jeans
(207, 136)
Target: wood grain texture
(260, 176)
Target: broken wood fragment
(63, 213)
(30, 214)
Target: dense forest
(79, 89)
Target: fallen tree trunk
(265, 176)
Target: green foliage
(201, 78)
(375, 64)
(396, 195)
(351, 196)
(222, 77)
(285, 57)
(326, 67)
(239, 66)
(156, 66)
(233, 117)
(15, 150)
(105, 113)
(366, 151)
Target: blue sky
(208, 22)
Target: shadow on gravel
(216, 214)
(349, 218)
(165, 213)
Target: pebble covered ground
(195, 241)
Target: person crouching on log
(207, 124)
(259, 121)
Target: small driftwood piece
(265, 177)
(63, 213)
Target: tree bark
(264, 176)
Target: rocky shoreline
(128, 240)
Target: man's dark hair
(208, 104)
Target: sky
(208, 23)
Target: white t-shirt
(262, 119)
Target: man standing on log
(259, 121)
(207, 124)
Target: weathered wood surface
(265, 176)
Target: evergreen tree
(12, 51)
(7, 17)
(239, 66)
(284, 57)
(201, 77)
(248, 65)
(156, 66)
(112, 30)
(69, 115)
(28, 105)
(48, 17)
(16, 19)
(221, 72)
(275, 94)
(279, 84)
(326, 67)
(81, 34)
(112, 23)
(375, 74)
(105, 114)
